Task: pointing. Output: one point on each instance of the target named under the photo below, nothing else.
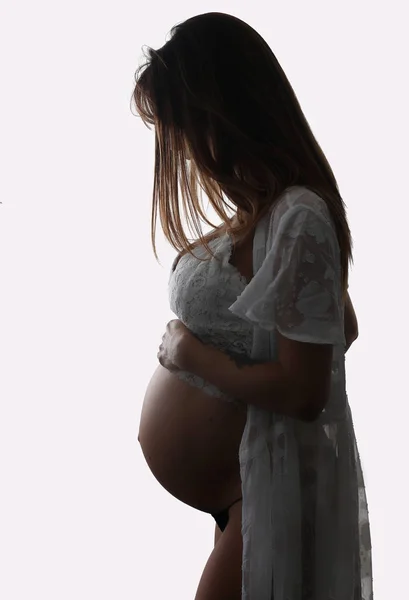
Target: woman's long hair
(227, 121)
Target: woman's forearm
(264, 384)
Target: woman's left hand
(174, 347)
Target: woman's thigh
(221, 578)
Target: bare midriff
(191, 442)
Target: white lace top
(200, 294)
(305, 523)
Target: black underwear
(222, 518)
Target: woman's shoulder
(297, 197)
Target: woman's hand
(176, 344)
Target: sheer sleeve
(297, 289)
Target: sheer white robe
(305, 522)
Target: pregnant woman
(221, 409)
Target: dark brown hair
(217, 95)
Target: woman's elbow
(350, 337)
(312, 412)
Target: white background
(84, 303)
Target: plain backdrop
(84, 304)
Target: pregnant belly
(191, 442)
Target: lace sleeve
(297, 289)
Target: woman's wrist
(189, 352)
